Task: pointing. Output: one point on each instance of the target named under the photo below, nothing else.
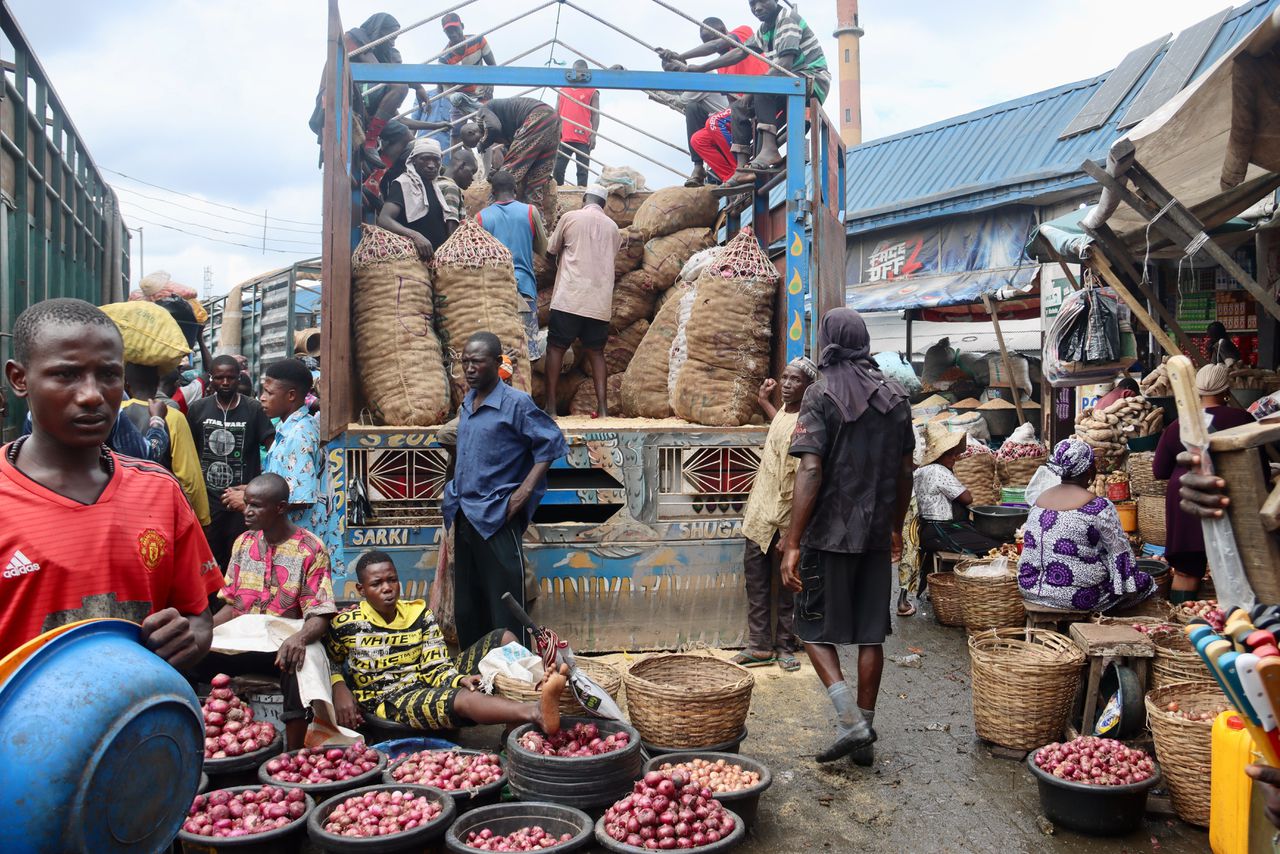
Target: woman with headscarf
(1184, 538)
(854, 441)
(1075, 555)
(414, 207)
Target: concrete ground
(935, 786)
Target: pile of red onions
(719, 776)
(225, 813)
(381, 813)
(665, 811)
(1097, 761)
(525, 839)
(323, 765)
(580, 740)
(229, 727)
(450, 770)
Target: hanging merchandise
(1091, 339)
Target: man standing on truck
(579, 109)
(228, 429)
(855, 442)
(506, 444)
(521, 137)
(700, 106)
(586, 243)
(518, 227)
(465, 50)
(413, 207)
(86, 532)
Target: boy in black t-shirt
(229, 429)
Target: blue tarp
(939, 291)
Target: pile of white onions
(719, 776)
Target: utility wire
(207, 201)
(215, 228)
(165, 201)
(258, 248)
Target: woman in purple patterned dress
(1075, 556)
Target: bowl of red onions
(241, 815)
(521, 826)
(326, 770)
(233, 740)
(1091, 785)
(382, 818)
(667, 811)
(588, 763)
(472, 778)
(735, 781)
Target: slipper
(745, 659)
(770, 168)
(693, 182)
(906, 609)
(788, 663)
(744, 177)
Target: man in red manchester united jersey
(88, 533)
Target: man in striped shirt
(785, 39)
(465, 50)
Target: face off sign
(891, 260)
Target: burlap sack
(476, 198)
(728, 334)
(674, 208)
(544, 307)
(644, 383)
(633, 299)
(664, 257)
(397, 354)
(476, 292)
(620, 347)
(567, 388)
(544, 272)
(568, 199)
(630, 252)
(622, 209)
(550, 208)
(680, 342)
(584, 398)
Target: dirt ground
(934, 786)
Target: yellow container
(1128, 512)
(1231, 791)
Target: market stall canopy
(1066, 236)
(1215, 146)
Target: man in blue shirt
(505, 446)
(519, 228)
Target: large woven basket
(1024, 683)
(978, 474)
(988, 603)
(1141, 480)
(688, 701)
(605, 675)
(1018, 473)
(1151, 519)
(1183, 747)
(945, 595)
(1175, 660)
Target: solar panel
(1099, 108)
(1175, 70)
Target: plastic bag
(1103, 344)
(512, 660)
(1043, 479)
(151, 335)
(998, 568)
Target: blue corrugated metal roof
(1000, 154)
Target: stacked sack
(475, 289)
(1019, 457)
(728, 337)
(398, 356)
(1108, 431)
(670, 227)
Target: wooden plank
(1103, 268)
(1004, 355)
(1259, 550)
(1244, 436)
(1114, 640)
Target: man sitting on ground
(278, 569)
(399, 665)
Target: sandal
(770, 168)
(906, 609)
(746, 659)
(789, 663)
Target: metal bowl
(999, 523)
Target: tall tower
(848, 34)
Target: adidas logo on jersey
(20, 564)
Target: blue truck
(638, 543)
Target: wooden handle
(1270, 511)
(1182, 376)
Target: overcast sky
(211, 98)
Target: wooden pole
(1004, 354)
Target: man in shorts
(854, 441)
(585, 242)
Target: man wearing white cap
(585, 242)
(414, 207)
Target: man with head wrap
(414, 207)
(853, 485)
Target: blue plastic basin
(101, 743)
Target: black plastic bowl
(243, 769)
(1092, 810)
(411, 840)
(464, 799)
(333, 787)
(585, 782)
(556, 819)
(730, 746)
(739, 831)
(744, 802)
(280, 839)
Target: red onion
(582, 739)
(305, 765)
(230, 729)
(689, 818)
(1095, 761)
(525, 839)
(381, 812)
(451, 770)
(224, 813)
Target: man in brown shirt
(586, 242)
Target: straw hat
(938, 440)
